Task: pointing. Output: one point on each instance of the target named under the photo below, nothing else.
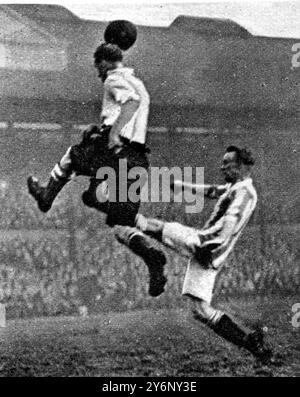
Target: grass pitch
(145, 343)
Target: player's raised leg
(180, 238)
(153, 257)
(60, 175)
(82, 159)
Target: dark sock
(156, 235)
(231, 331)
(140, 245)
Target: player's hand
(89, 131)
(204, 252)
(114, 141)
(176, 186)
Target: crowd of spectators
(60, 262)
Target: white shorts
(199, 281)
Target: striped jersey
(121, 86)
(239, 200)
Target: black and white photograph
(150, 191)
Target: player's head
(122, 33)
(106, 57)
(236, 163)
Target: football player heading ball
(124, 98)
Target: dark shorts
(89, 156)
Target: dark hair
(108, 52)
(244, 156)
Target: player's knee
(155, 225)
(204, 312)
(199, 313)
(63, 171)
(102, 192)
(124, 233)
(66, 161)
(148, 224)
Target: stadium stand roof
(59, 22)
(210, 26)
(52, 16)
(44, 11)
(20, 28)
(193, 62)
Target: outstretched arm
(211, 191)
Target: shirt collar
(245, 182)
(120, 70)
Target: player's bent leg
(154, 258)
(150, 226)
(60, 175)
(180, 238)
(91, 196)
(122, 213)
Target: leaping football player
(121, 136)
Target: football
(122, 33)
